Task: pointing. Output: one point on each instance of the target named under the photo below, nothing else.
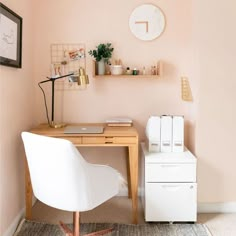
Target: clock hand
(143, 22)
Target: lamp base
(57, 126)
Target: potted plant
(102, 54)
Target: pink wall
(16, 115)
(93, 22)
(197, 42)
(215, 134)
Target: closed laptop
(71, 129)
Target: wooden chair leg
(75, 232)
(101, 232)
(76, 223)
(69, 232)
(65, 229)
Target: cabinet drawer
(171, 202)
(170, 172)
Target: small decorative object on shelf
(153, 70)
(135, 71)
(102, 55)
(128, 71)
(116, 69)
(144, 70)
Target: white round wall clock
(147, 22)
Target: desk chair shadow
(62, 179)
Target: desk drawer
(74, 140)
(108, 140)
(93, 140)
(125, 140)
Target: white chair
(62, 179)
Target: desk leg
(128, 174)
(133, 164)
(28, 193)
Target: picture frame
(10, 38)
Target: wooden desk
(111, 137)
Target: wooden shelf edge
(128, 76)
(159, 66)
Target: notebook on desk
(73, 129)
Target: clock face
(147, 22)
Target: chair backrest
(57, 171)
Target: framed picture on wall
(10, 37)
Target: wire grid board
(65, 59)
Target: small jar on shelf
(128, 71)
(153, 70)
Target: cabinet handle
(166, 144)
(171, 187)
(154, 144)
(169, 166)
(178, 144)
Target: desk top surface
(44, 129)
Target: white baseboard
(221, 207)
(13, 226)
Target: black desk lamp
(81, 78)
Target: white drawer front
(168, 172)
(171, 202)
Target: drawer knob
(108, 140)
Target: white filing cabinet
(169, 188)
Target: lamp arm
(55, 78)
(52, 79)
(44, 81)
(59, 77)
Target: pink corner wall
(215, 38)
(16, 115)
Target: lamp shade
(81, 78)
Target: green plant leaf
(102, 51)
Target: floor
(118, 210)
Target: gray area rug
(31, 228)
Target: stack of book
(119, 121)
